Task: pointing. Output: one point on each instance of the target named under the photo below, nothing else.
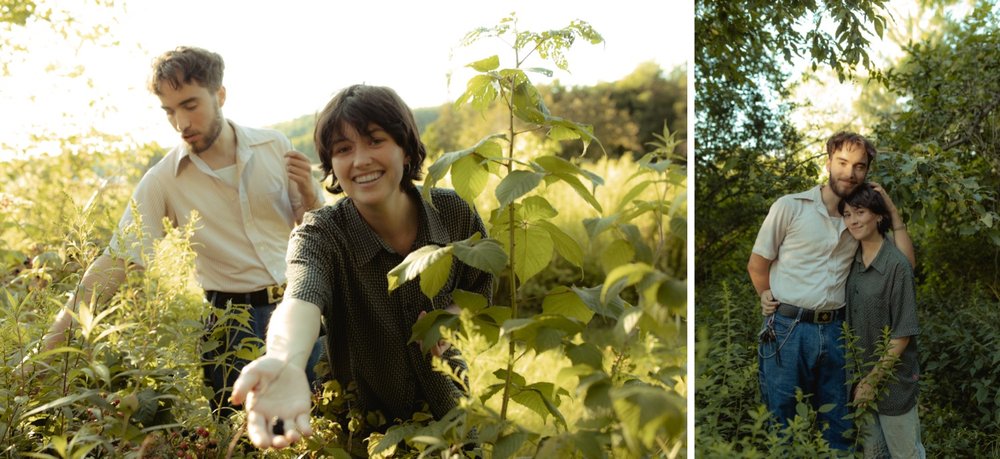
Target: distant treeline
(625, 114)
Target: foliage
(625, 411)
(747, 151)
(625, 114)
(942, 146)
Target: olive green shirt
(336, 261)
(883, 295)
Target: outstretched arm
(99, 283)
(274, 387)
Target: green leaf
(562, 133)
(585, 354)
(631, 273)
(473, 302)
(537, 207)
(646, 413)
(508, 445)
(632, 193)
(596, 226)
(592, 297)
(430, 262)
(484, 254)
(617, 253)
(469, 178)
(427, 329)
(533, 251)
(580, 189)
(516, 184)
(566, 246)
(485, 65)
(564, 302)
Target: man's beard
(209, 138)
(834, 185)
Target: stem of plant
(511, 235)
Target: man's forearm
(759, 269)
(292, 331)
(99, 283)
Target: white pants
(895, 436)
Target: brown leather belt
(809, 315)
(269, 295)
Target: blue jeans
(810, 357)
(221, 364)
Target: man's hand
(300, 173)
(767, 303)
(274, 390)
(889, 205)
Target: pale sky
(286, 59)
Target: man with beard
(248, 188)
(799, 267)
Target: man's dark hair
(185, 65)
(865, 197)
(358, 106)
(845, 138)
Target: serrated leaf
(485, 255)
(427, 329)
(469, 178)
(537, 207)
(471, 301)
(580, 189)
(508, 445)
(418, 261)
(617, 253)
(632, 193)
(561, 133)
(516, 184)
(596, 226)
(532, 250)
(562, 301)
(646, 413)
(585, 354)
(628, 273)
(565, 245)
(485, 65)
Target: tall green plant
(637, 414)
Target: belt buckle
(823, 317)
(275, 293)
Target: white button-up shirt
(242, 232)
(810, 249)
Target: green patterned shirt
(883, 295)
(336, 261)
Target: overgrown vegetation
(583, 355)
(936, 124)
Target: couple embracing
(822, 257)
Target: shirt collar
(430, 230)
(881, 261)
(245, 140)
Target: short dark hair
(358, 106)
(842, 138)
(865, 197)
(184, 65)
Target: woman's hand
(277, 400)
